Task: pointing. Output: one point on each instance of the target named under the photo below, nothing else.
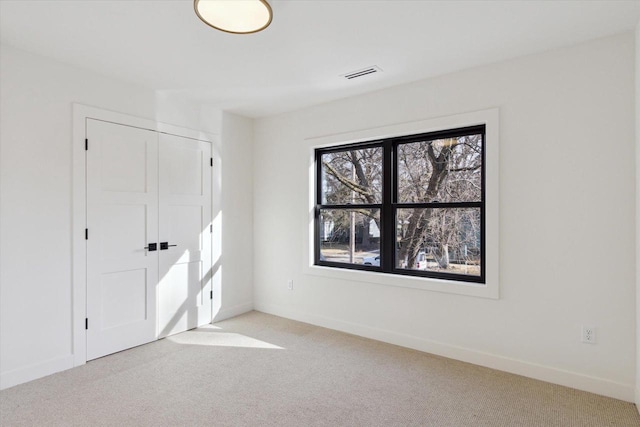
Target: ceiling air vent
(361, 73)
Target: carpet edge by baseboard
(549, 374)
(35, 371)
(233, 311)
(48, 367)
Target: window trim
(490, 288)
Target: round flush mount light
(235, 16)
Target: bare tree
(443, 170)
(354, 177)
(446, 170)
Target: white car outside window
(372, 261)
(421, 261)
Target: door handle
(152, 247)
(165, 246)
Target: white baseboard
(236, 310)
(638, 399)
(35, 371)
(528, 369)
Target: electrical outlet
(290, 284)
(589, 334)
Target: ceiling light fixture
(234, 16)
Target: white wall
(235, 264)
(566, 220)
(36, 95)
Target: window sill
(422, 283)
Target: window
(411, 205)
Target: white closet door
(122, 219)
(185, 216)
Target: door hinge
(86, 144)
(210, 228)
(86, 323)
(86, 234)
(210, 294)
(211, 161)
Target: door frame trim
(79, 206)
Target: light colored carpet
(262, 370)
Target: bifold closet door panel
(122, 220)
(184, 217)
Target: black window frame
(390, 204)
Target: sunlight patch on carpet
(220, 339)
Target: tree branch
(470, 168)
(347, 182)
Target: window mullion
(318, 198)
(352, 206)
(387, 215)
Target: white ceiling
(297, 61)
